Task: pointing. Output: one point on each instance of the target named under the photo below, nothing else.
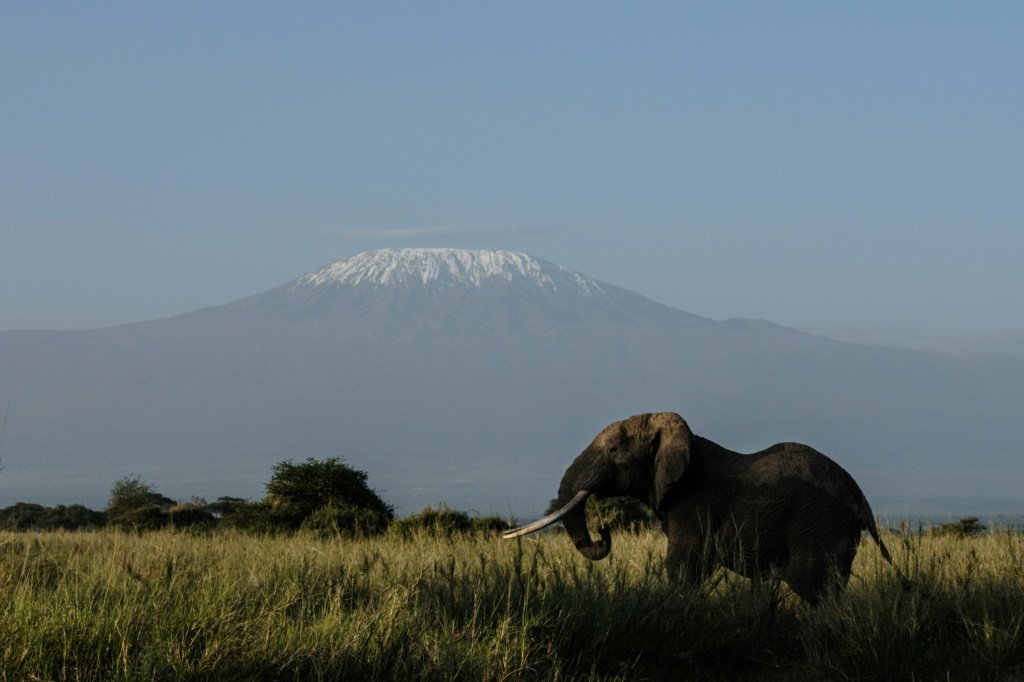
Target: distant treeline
(324, 496)
(30, 516)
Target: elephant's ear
(673, 442)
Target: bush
(443, 521)
(21, 516)
(446, 522)
(225, 506)
(346, 520)
(295, 491)
(151, 517)
(132, 493)
(75, 517)
(136, 505)
(253, 517)
(490, 525)
(191, 515)
(963, 528)
(26, 516)
(241, 514)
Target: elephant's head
(642, 457)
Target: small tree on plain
(296, 491)
(442, 521)
(135, 504)
(347, 520)
(965, 527)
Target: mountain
(474, 377)
(1008, 342)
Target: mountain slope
(475, 377)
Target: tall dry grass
(225, 606)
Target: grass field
(172, 605)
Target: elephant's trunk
(575, 521)
(576, 524)
(577, 484)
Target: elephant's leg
(688, 565)
(679, 565)
(807, 576)
(813, 575)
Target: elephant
(788, 509)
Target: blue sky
(822, 165)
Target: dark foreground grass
(169, 605)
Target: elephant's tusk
(580, 497)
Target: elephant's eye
(614, 448)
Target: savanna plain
(230, 605)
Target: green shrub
(73, 517)
(442, 521)
(191, 515)
(348, 520)
(490, 524)
(27, 516)
(151, 517)
(296, 491)
(226, 506)
(963, 528)
(21, 516)
(241, 514)
(136, 505)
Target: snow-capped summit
(449, 268)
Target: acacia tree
(326, 495)
(136, 504)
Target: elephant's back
(801, 467)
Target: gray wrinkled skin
(788, 509)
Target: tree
(242, 514)
(296, 491)
(135, 504)
(194, 515)
(227, 506)
(21, 516)
(965, 527)
(442, 521)
(27, 516)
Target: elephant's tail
(873, 530)
(867, 520)
(861, 508)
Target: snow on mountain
(448, 267)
